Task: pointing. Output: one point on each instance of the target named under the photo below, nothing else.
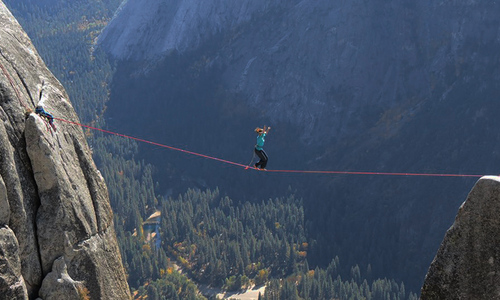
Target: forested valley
(171, 244)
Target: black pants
(263, 159)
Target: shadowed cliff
(57, 239)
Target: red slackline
(231, 162)
(274, 171)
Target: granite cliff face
(57, 239)
(467, 265)
(154, 28)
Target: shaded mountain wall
(334, 68)
(186, 24)
(57, 237)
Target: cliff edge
(467, 264)
(57, 239)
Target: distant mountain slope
(154, 28)
(398, 86)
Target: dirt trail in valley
(207, 291)
(252, 294)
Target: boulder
(12, 285)
(59, 285)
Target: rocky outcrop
(467, 265)
(12, 281)
(57, 238)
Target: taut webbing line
(273, 171)
(153, 143)
(377, 173)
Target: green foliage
(130, 183)
(261, 277)
(171, 285)
(221, 242)
(328, 284)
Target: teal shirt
(260, 141)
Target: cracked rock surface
(467, 265)
(57, 238)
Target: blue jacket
(42, 112)
(260, 141)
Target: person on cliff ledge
(45, 115)
(259, 150)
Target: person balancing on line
(259, 150)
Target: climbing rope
(273, 171)
(13, 86)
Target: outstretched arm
(266, 129)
